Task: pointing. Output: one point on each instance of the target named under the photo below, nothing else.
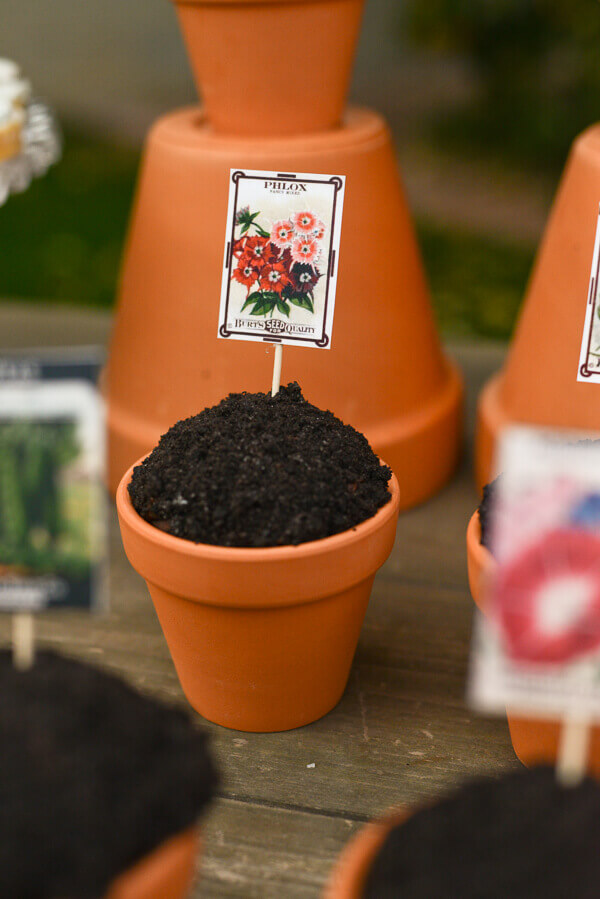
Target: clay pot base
(315, 93)
(385, 374)
(262, 639)
(166, 873)
(534, 741)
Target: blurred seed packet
(537, 648)
(52, 498)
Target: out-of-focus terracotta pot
(385, 374)
(480, 562)
(271, 67)
(262, 639)
(166, 873)
(534, 740)
(349, 875)
(538, 383)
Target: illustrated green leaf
(263, 306)
(245, 227)
(283, 308)
(304, 302)
(252, 298)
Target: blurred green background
(484, 100)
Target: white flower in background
(29, 136)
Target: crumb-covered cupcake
(523, 835)
(93, 778)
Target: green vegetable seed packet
(52, 500)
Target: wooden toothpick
(573, 747)
(277, 369)
(23, 640)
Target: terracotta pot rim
(133, 882)
(253, 2)
(475, 547)
(251, 554)
(189, 129)
(350, 872)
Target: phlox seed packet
(281, 257)
(537, 647)
(52, 496)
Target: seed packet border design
(280, 326)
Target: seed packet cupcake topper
(281, 259)
(52, 529)
(537, 650)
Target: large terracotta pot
(538, 383)
(166, 873)
(349, 875)
(262, 639)
(534, 740)
(271, 67)
(385, 373)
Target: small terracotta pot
(271, 67)
(538, 383)
(350, 873)
(164, 874)
(534, 740)
(262, 639)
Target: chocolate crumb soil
(485, 511)
(93, 777)
(258, 470)
(521, 836)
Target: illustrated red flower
(255, 250)
(304, 277)
(305, 249)
(304, 222)
(282, 234)
(319, 230)
(274, 277)
(239, 246)
(528, 599)
(245, 273)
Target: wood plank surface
(402, 732)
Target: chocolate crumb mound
(485, 511)
(523, 836)
(258, 470)
(93, 777)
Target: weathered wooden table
(402, 732)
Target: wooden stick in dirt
(277, 368)
(23, 640)
(573, 747)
